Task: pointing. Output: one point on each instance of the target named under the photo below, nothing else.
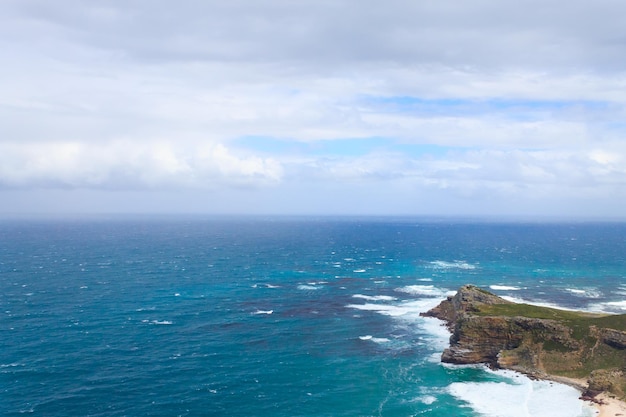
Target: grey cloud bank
(140, 106)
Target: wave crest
(452, 265)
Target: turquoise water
(272, 317)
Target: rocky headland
(546, 343)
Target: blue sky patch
(457, 107)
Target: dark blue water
(280, 317)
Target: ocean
(274, 316)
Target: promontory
(541, 342)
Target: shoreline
(606, 404)
(479, 338)
(609, 406)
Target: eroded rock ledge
(538, 341)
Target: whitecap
(584, 292)
(265, 286)
(621, 290)
(596, 308)
(374, 339)
(264, 312)
(384, 309)
(10, 365)
(427, 290)
(407, 315)
(162, 322)
(409, 310)
(374, 297)
(515, 299)
(307, 287)
(504, 288)
(536, 303)
(452, 265)
(359, 271)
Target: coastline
(607, 405)
(464, 348)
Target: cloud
(519, 99)
(129, 165)
(543, 34)
(480, 175)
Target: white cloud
(529, 175)
(526, 99)
(128, 165)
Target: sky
(488, 108)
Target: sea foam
(408, 309)
(268, 312)
(408, 312)
(611, 307)
(304, 287)
(374, 339)
(451, 265)
(518, 396)
(504, 288)
(607, 308)
(537, 303)
(427, 290)
(374, 297)
(584, 292)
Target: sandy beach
(606, 405)
(610, 407)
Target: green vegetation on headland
(539, 341)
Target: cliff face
(534, 340)
(468, 299)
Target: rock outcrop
(537, 341)
(614, 338)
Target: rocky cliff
(537, 341)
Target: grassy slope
(596, 356)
